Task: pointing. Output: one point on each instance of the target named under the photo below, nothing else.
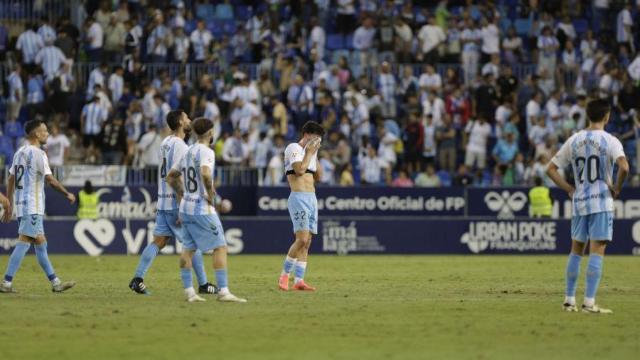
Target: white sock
(56, 281)
(302, 264)
(224, 291)
(190, 292)
(589, 302)
(570, 300)
(293, 266)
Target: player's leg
(146, 259)
(40, 245)
(210, 238)
(600, 228)
(579, 235)
(185, 275)
(303, 253)
(23, 245)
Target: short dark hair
(597, 110)
(201, 125)
(173, 118)
(312, 127)
(31, 125)
(537, 180)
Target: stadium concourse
(411, 93)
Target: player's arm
(6, 205)
(174, 178)
(558, 179)
(207, 181)
(55, 184)
(301, 167)
(623, 171)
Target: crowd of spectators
(418, 93)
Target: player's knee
(220, 250)
(160, 242)
(185, 262)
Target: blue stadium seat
(523, 26)
(244, 13)
(348, 42)
(224, 12)
(205, 11)
(216, 28)
(445, 178)
(505, 24)
(335, 42)
(581, 26)
(229, 27)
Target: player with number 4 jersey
(591, 154)
(172, 150)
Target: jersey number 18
(190, 179)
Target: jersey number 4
(190, 179)
(592, 171)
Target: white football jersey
(172, 150)
(194, 201)
(295, 153)
(30, 166)
(592, 155)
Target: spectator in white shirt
(477, 133)
(490, 39)
(634, 68)
(429, 144)
(317, 37)
(512, 46)
(552, 110)
(547, 47)
(533, 110)
(50, 58)
(212, 112)
(624, 24)
(16, 93)
(162, 109)
(95, 40)
(200, 41)
(96, 77)
(371, 167)
(158, 41)
(29, 43)
(46, 32)
(300, 100)
(470, 37)
(243, 115)
(492, 67)
(433, 106)
(579, 108)
(116, 84)
(570, 66)
(567, 29)
(57, 147)
(387, 146)
(363, 43)
(149, 148)
(430, 37)
(386, 85)
(180, 45)
(430, 80)
(233, 152)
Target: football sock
(150, 252)
(594, 273)
(289, 263)
(16, 259)
(198, 267)
(185, 274)
(43, 260)
(301, 267)
(221, 279)
(573, 270)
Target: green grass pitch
(367, 307)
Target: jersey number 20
(592, 171)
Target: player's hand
(314, 145)
(570, 193)
(614, 192)
(71, 198)
(179, 222)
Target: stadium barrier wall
(341, 235)
(492, 203)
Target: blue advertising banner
(509, 203)
(337, 235)
(370, 201)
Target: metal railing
(224, 176)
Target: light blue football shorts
(303, 209)
(202, 232)
(166, 225)
(30, 225)
(598, 226)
